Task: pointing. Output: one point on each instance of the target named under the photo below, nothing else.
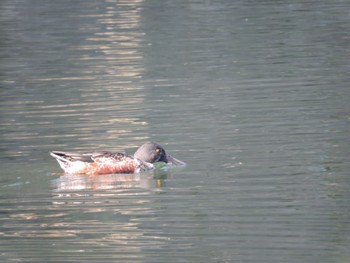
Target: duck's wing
(72, 157)
(103, 156)
(91, 157)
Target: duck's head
(152, 152)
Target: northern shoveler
(105, 162)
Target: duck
(106, 162)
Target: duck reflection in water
(149, 180)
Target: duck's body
(100, 163)
(105, 162)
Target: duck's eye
(157, 150)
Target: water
(252, 95)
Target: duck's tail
(59, 155)
(62, 158)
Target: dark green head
(152, 152)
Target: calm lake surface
(253, 95)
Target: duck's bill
(174, 161)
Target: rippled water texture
(253, 95)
